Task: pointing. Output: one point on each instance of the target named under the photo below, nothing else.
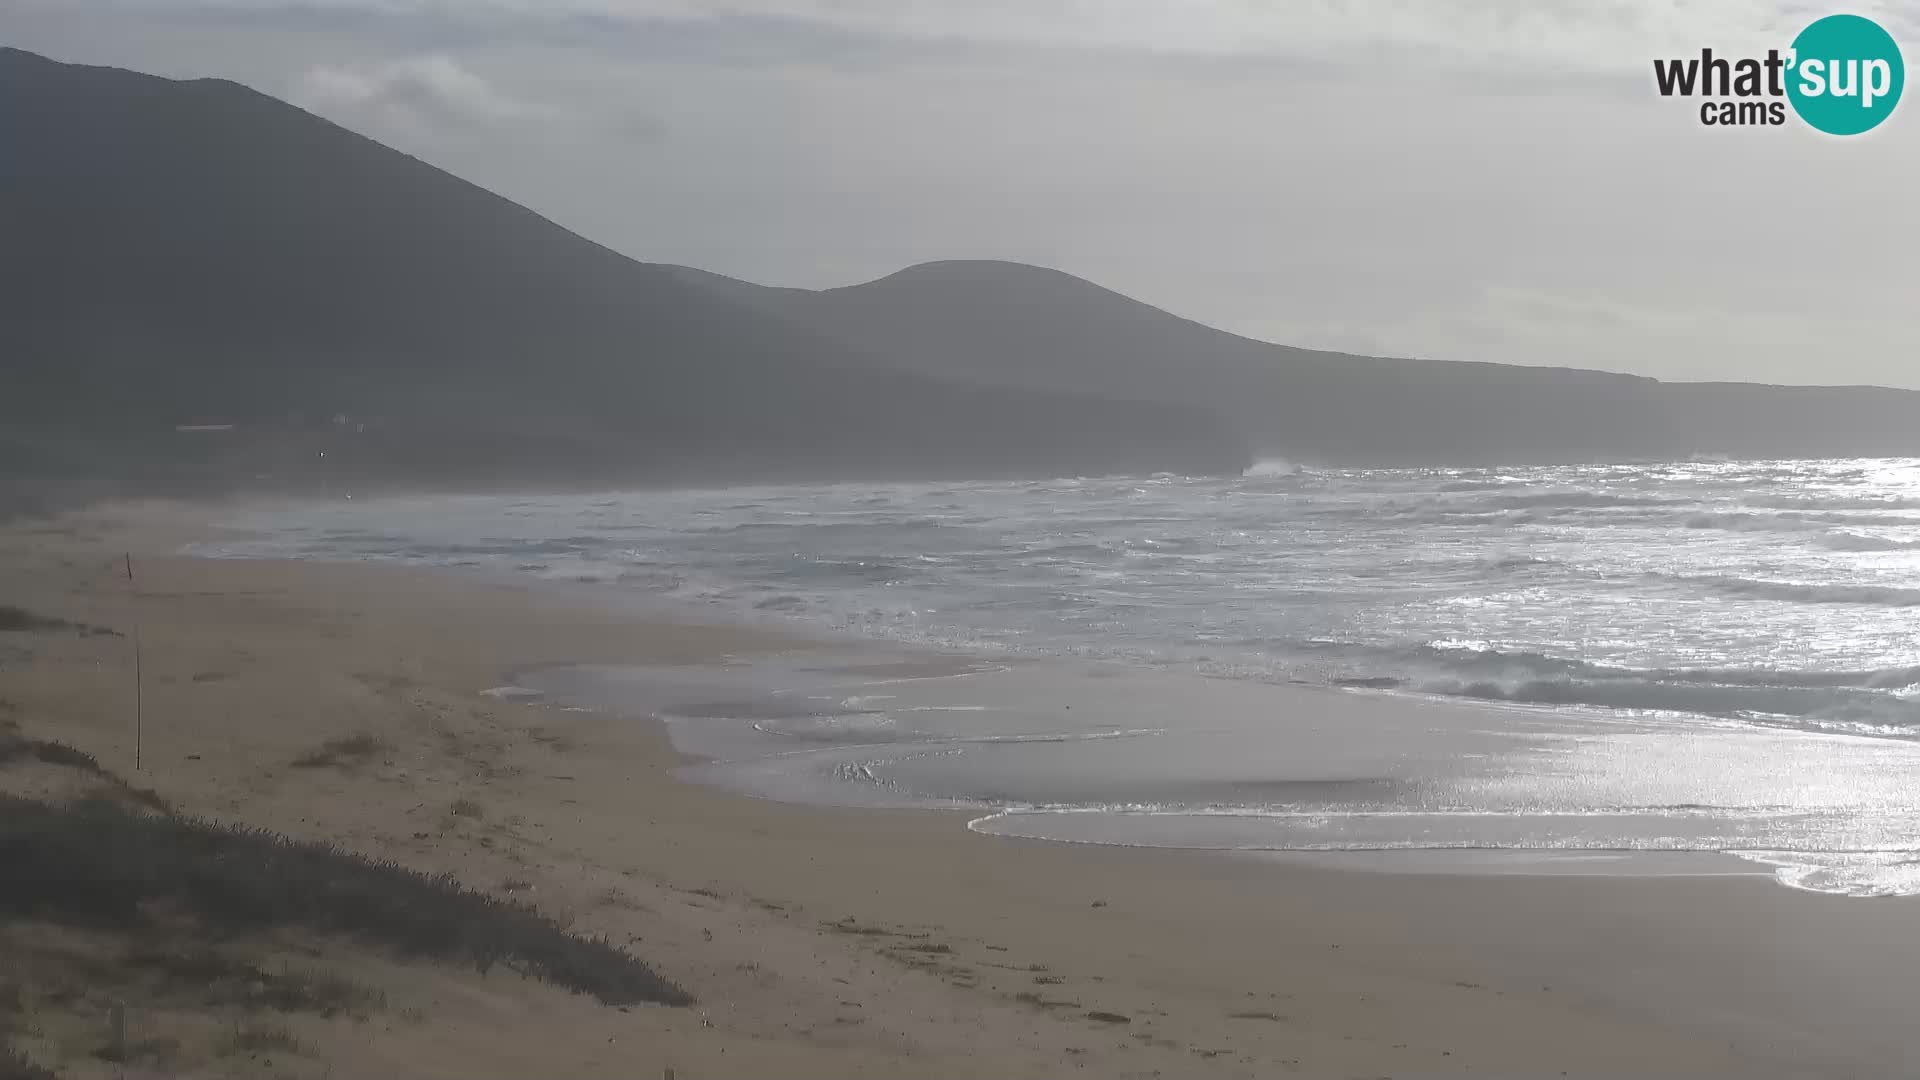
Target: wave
(1847, 873)
(783, 602)
(1859, 701)
(1740, 521)
(1831, 502)
(1502, 509)
(1887, 678)
(1470, 659)
(1271, 467)
(1511, 563)
(1859, 712)
(1855, 520)
(1106, 552)
(1243, 575)
(1796, 593)
(843, 571)
(1278, 485)
(1432, 515)
(1846, 541)
(1575, 499)
(1793, 521)
(833, 528)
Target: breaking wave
(1869, 700)
(1742, 521)
(1846, 541)
(1774, 591)
(1798, 593)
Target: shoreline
(1159, 759)
(1101, 570)
(1217, 966)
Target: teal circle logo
(1846, 74)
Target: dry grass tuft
(344, 753)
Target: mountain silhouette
(328, 311)
(202, 287)
(1013, 324)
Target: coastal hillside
(207, 287)
(1019, 325)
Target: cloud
(1466, 179)
(430, 95)
(1586, 36)
(430, 89)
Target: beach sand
(825, 942)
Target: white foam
(512, 693)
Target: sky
(1462, 179)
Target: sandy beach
(824, 942)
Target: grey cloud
(1477, 33)
(432, 88)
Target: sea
(1590, 660)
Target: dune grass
(15, 1066)
(343, 753)
(97, 864)
(18, 619)
(15, 747)
(220, 977)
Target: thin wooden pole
(139, 703)
(139, 695)
(117, 1031)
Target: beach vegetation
(97, 864)
(15, 1065)
(20, 620)
(343, 753)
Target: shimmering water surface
(1679, 656)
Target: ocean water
(1751, 617)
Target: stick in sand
(139, 704)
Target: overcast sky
(1464, 179)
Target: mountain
(1011, 324)
(330, 312)
(202, 287)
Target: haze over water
(1712, 656)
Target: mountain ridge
(1041, 328)
(192, 252)
(934, 265)
(184, 252)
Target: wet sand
(1100, 752)
(831, 941)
